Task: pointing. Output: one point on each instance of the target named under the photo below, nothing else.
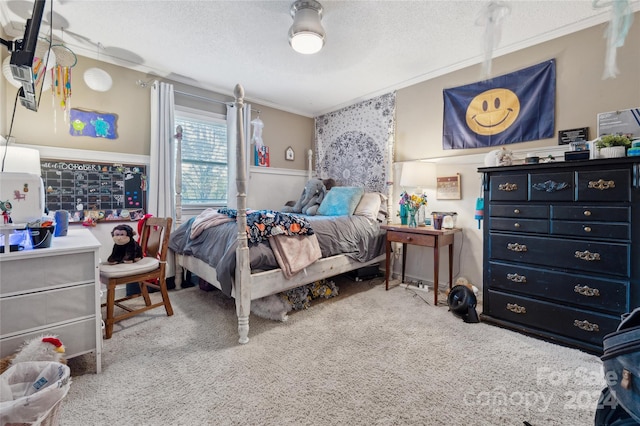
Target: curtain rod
(203, 98)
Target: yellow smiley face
(493, 111)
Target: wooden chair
(148, 272)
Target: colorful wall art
(93, 124)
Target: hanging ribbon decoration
(258, 125)
(479, 215)
(491, 17)
(616, 32)
(61, 76)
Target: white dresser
(53, 290)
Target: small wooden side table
(424, 236)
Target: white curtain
(231, 149)
(160, 186)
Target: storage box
(576, 155)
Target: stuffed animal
(499, 157)
(465, 282)
(43, 348)
(311, 198)
(126, 249)
(312, 195)
(6, 208)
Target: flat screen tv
(22, 58)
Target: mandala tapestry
(352, 144)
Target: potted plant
(613, 146)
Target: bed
(245, 270)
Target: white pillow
(369, 205)
(383, 214)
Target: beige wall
(49, 126)
(281, 129)
(580, 95)
(130, 102)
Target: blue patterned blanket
(261, 224)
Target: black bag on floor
(610, 413)
(619, 404)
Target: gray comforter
(355, 236)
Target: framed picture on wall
(448, 187)
(289, 155)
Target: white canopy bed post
(178, 177)
(246, 285)
(309, 164)
(242, 284)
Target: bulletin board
(97, 190)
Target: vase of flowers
(412, 203)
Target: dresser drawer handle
(517, 309)
(508, 187)
(516, 225)
(409, 238)
(586, 290)
(550, 186)
(587, 229)
(587, 255)
(516, 211)
(602, 184)
(587, 213)
(517, 247)
(517, 278)
(586, 325)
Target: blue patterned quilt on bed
(261, 224)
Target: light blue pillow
(340, 201)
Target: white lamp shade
(98, 79)
(417, 174)
(21, 160)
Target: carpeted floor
(365, 357)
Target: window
(205, 171)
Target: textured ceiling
(372, 47)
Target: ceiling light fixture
(306, 35)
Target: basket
(51, 381)
(42, 237)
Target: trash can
(31, 392)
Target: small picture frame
(289, 155)
(448, 188)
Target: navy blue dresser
(562, 248)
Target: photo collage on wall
(97, 191)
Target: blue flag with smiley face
(515, 107)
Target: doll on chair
(125, 249)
